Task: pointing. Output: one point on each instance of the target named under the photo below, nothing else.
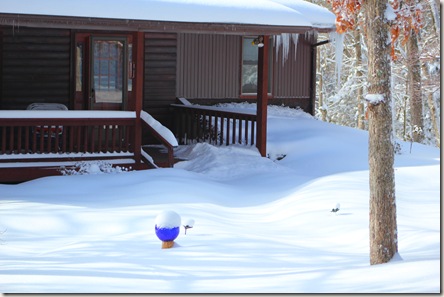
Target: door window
(108, 70)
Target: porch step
(159, 154)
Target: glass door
(109, 73)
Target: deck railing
(59, 134)
(214, 125)
(153, 127)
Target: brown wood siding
(160, 75)
(292, 77)
(35, 67)
(208, 66)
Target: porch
(37, 143)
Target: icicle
(338, 40)
(284, 40)
(285, 46)
(277, 45)
(295, 37)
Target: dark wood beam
(262, 97)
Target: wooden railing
(213, 125)
(147, 121)
(46, 134)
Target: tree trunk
(358, 59)
(432, 108)
(435, 7)
(321, 107)
(383, 227)
(414, 81)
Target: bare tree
(383, 226)
(414, 88)
(359, 74)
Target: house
(128, 70)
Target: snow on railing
(162, 134)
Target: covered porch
(120, 76)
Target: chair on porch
(48, 131)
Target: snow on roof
(258, 12)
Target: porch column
(262, 97)
(138, 50)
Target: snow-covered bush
(92, 167)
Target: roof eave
(85, 23)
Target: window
(108, 70)
(249, 66)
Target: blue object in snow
(167, 234)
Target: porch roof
(216, 16)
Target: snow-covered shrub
(92, 167)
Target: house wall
(160, 75)
(35, 66)
(208, 66)
(209, 70)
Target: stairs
(159, 155)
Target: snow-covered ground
(260, 224)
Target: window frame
(252, 95)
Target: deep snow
(260, 224)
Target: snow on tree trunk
(383, 227)
(435, 7)
(414, 81)
(322, 106)
(359, 74)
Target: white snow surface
(168, 219)
(263, 12)
(374, 99)
(265, 224)
(78, 114)
(161, 129)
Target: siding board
(292, 78)
(205, 66)
(35, 67)
(160, 75)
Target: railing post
(137, 140)
(262, 97)
(138, 86)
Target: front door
(104, 71)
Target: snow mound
(223, 162)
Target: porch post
(138, 89)
(262, 97)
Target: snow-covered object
(189, 223)
(336, 209)
(161, 129)
(261, 12)
(167, 225)
(168, 219)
